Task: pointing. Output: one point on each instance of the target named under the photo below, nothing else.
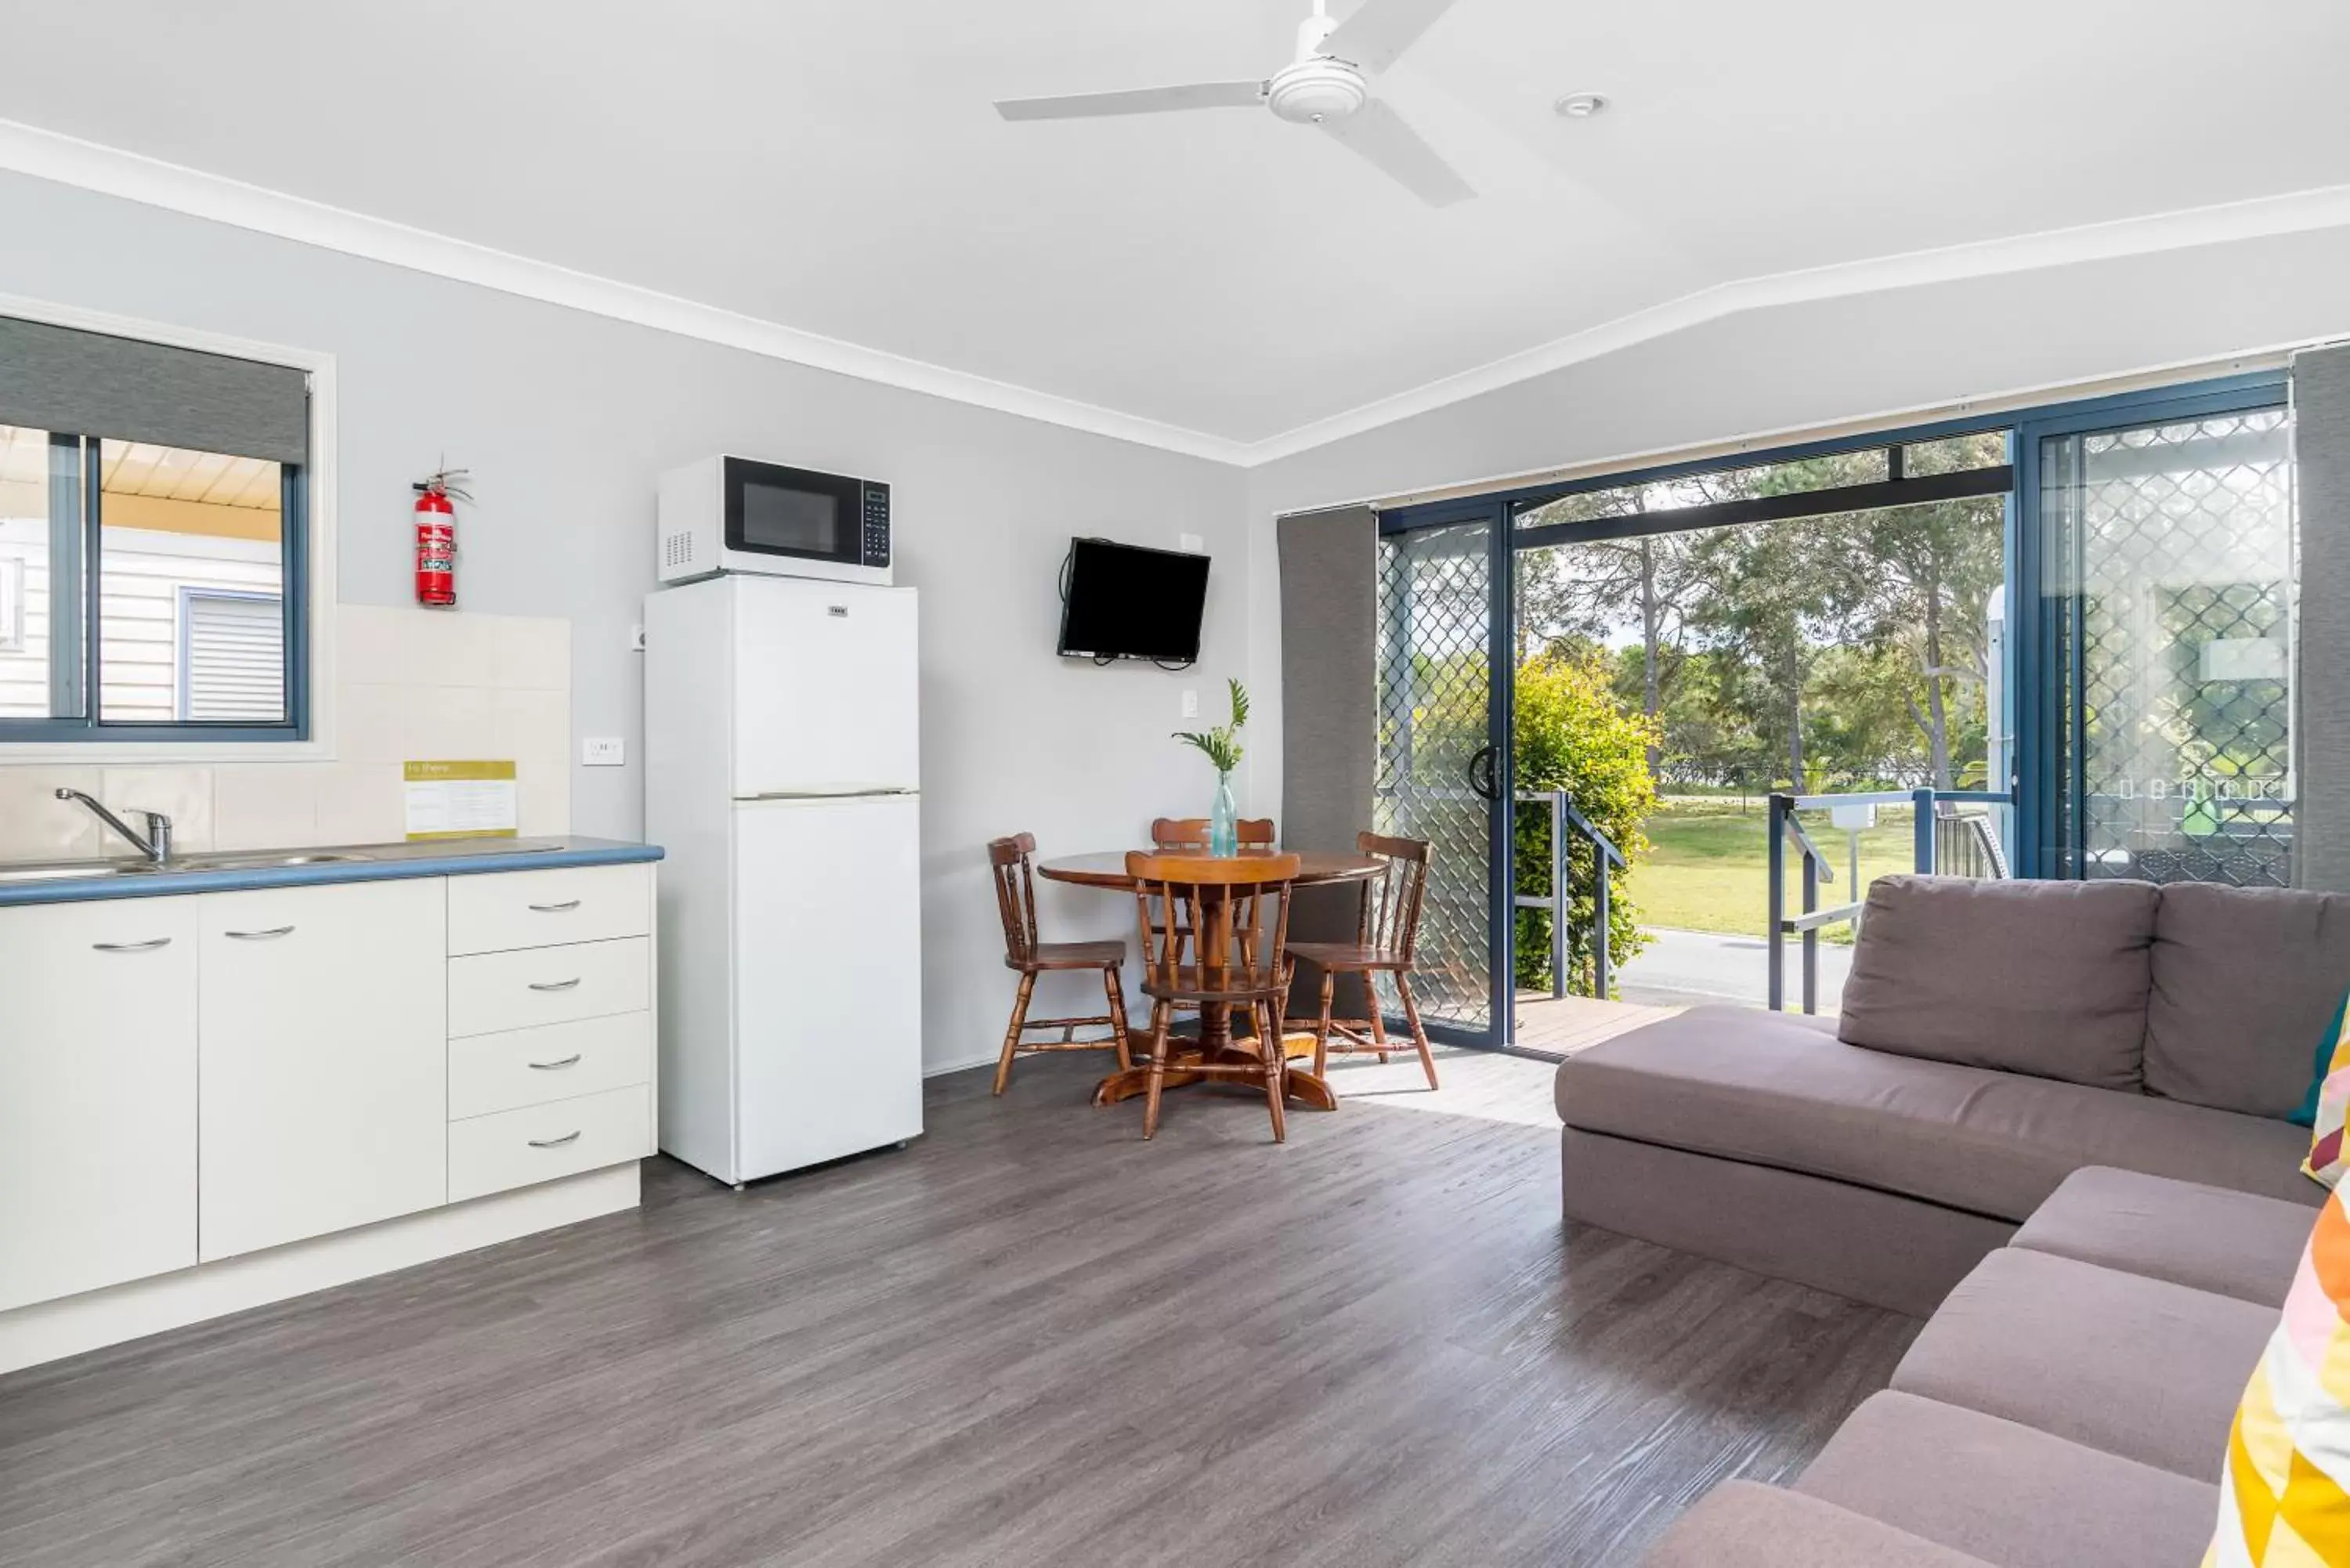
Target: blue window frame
(2030, 691)
(79, 621)
(2049, 675)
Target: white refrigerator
(782, 776)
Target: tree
(1589, 590)
(1572, 735)
(1938, 564)
(1781, 595)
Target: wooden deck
(1565, 1024)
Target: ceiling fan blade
(1140, 100)
(1383, 29)
(1383, 136)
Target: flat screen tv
(1127, 601)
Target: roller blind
(64, 380)
(1329, 680)
(2321, 405)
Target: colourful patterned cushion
(2331, 1096)
(2281, 1497)
(2329, 1045)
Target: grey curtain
(2321, 400)
(89, 383)
(1329, 698)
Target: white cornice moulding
(70, 160)
(2262, 217)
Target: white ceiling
(834, 166)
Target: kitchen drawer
(488, 993)
(500, 911)
(490, 1072)
(539, 1143)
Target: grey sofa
(1996, 1037)
(2067, 1407)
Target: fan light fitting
(1314, 87)
(1327, 83)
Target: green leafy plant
(1572, 733)
(1221, 744)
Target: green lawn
(1708, 871)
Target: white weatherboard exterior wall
(1802, 366)
(145, 571)
(566, 420)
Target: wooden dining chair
(1215, 933)
(1181, 833)
(1009, 862)
(1191, 833)
(1386, 928)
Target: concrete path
(1679, 968)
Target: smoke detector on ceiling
(1580, 105)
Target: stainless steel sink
(269, 860)
(75, 870)
(264, 862)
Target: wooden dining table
(1106, 870)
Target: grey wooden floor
(1030, 1339)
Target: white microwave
(733, 514)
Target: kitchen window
(155, 543)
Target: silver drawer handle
(564, 907)
(554, 1142)
(132, 947)
(261, 935)
(570, 1061)
(554, 985)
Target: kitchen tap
(155, 843)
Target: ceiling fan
(1324, 86)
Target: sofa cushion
(1757, 1526)
(2138, 1367)
(2008, 1493)
(1767, 1089)
(2245, 982)
(2045, 978)
(2234, 1243)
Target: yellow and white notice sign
(460, 800)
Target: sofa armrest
(1756, 1526)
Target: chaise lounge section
(2067, 1407)
(1997, 1037)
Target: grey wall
(566, 418)
(1816, 364)
(2321, 400)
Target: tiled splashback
(410, 683)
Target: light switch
(603, 752)
(1193, 543)
(1190, 703)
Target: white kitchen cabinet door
(97, 1095)
(324, 1050)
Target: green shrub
(1573, 734)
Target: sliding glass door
(2166, 553)
(1442, 755)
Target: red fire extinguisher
(436, 536)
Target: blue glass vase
(1224, 819)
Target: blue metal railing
(1567, 823)
(1813, 868)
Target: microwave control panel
(875, 552)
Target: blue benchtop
(368, 863)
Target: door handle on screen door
(1481, 773)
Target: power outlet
(636, 639)
(603, 752)
(1190, 703)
